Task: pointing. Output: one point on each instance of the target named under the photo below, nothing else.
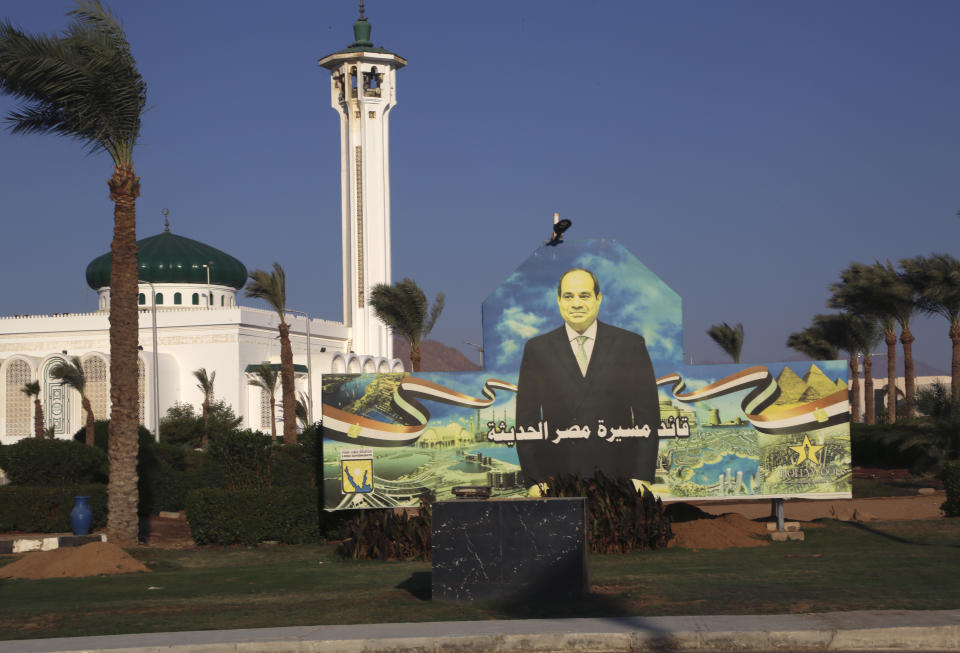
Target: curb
(42, 543)
(849, 631)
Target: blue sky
(745, 151)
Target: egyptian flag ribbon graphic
(810, 416)
(347, 427)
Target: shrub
(951, 483)
(164, 479)
(101, 434)
(620, 518)
(183, 426)
(250, 516)
(293, 465)
(52, 462)
(237, 461)
(878, 445)
(47, 509)
(385, 535)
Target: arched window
(19, 406)
(141, 299)
(195, 300)
(177, 298)
(159, 298)
(97, 390)
(221, 299)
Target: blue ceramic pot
(81, 516)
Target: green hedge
(47, 509)
(951, 483)
(52, 462)
(249, 516)
(878, 445)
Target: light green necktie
(582, 355)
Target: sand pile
(94, 559)
(730, 530)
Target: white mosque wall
(222, 340)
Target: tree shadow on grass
(541, 603)
(890, 536)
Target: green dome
(168, 258)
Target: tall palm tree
(403, 307)
(84, 84)
(812, 342)
(32, 389)
(205, 385)
(730, 339)
(878, 290)
(265, 378)
(272, 288)
(72, 374)
(936, 281)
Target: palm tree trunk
(854, 388)
(415, 357)
(38, 418)
(906, 339)
(88, 436)
(891, 339)
(273, 417)
(122, 495)
(286, 386)
(869, 403)
(206, 411)
(955, 361)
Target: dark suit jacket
(619, 388)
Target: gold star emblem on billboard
(807, 451)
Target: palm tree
(869, 337)
(730, 339)
(72, 374)
(845, 331)
(302, 414)
(877, 290)
(32, 389)
(205, 385)
(272, 288)
(265, 378)
(404, 309)
(936, 280)
(812, 342)
(84, 84)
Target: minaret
(363, 91)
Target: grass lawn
(841, 566)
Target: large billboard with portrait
(584, 371)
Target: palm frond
(71, 373)
(730, 339)
(205, 381)
(812, 342)
(31, 389)
(435, 309)
(265, 377)
(270, 287)
(83, 83)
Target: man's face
(578, 303)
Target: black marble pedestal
(509, 548)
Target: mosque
(190, 317)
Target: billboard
(584, 371)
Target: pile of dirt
(94, 559)
(730, 530)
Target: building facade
(190, 317)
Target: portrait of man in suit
(589, 387)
